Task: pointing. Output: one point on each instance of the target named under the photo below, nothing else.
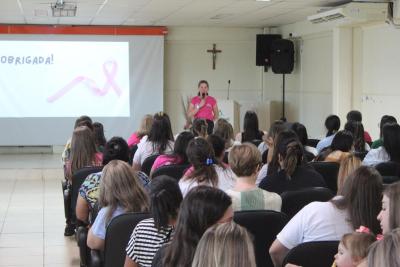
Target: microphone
(229, 87)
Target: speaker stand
(283, 98)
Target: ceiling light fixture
(62, 9)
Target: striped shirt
(146, 240)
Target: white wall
(187, 62)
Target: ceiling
(224, 13)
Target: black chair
(175, 171)
(117, 236)
(294, 201)
(148, 163)
(390, 179)
(329, 171)
(313, 254)
(309, 156)
(312, 142)
(388, 168)
(264, 225)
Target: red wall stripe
(86, 30)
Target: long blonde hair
(120, 187)
(347, 166)
(225, 245)
(385, 252)
(145, 125)
(83, 149)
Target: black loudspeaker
(263, 48)
(282, 56)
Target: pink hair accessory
(379, 237)
(363, 229)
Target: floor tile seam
(8, 206)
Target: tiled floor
(32, 213)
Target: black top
(302, 177)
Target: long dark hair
(343, 141)
(180, 146)
(288, 146)
(250, 127)
(357, 129)
(332, 124)
(362, 194)
(98, 131)
(386, 119)
(165, 199)
(301, 132)
(201, 155)
(391, 141)
(202, 207)
(160, 132)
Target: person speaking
(204, 106)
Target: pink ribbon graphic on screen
(110, 71)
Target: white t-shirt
(376, 156)
(226, 180)
(318, 221)
(145, 149)
(262, 174)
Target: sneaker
(69, 230)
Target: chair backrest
(148, 163)
(329, 171)
(264, 225)
(175, 171)
(256, 142)
(117, 236)
(312, 142)
(389, 168)
(390, 179)
(294, 201)
(313, 254)
(132, 151)
(77, 179)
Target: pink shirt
(133, 140)
(164, 160)
(207, 111)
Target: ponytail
(293, 157)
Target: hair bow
(209, 161)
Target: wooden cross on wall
(214, 52)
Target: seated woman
(116, 148)
(199, 128)
(159, 141)
(357, 130)
(225, 245)
(120, 192)
(225, 130)
(340, 148)
(178, 156)
(348, 165)
(323, 221)
(207, 170)
(301, 131)
(99, 138)
(150, 234)
(251, 131)
(83, 151)
(386, 119)
(144, 129)
(390, 151)
(332, 124)
(245, 161)
(287, 170)
(389, 217)
(202, 208)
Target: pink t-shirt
(207, 111)
(133, 140)
(164, 160)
